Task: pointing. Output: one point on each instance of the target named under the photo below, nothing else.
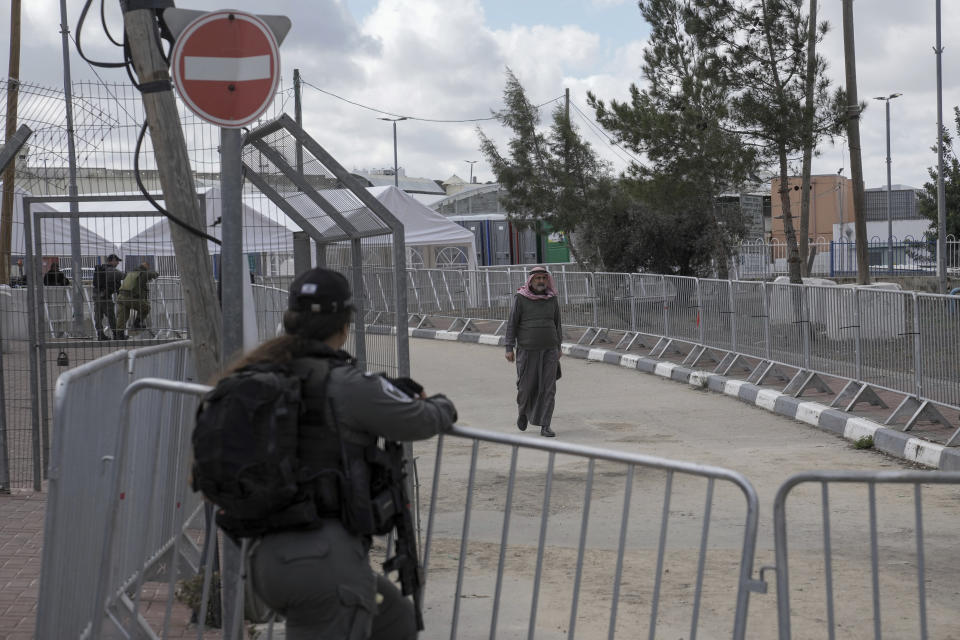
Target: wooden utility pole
(179, 191)
(13, 93)
(853, 139)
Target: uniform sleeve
(510, 337)
(371, 404)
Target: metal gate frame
(33, 246)
(255, 141)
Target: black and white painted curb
(890, 441)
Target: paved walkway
(21, 542)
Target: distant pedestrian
(534, 330)
(54, 277)
(106, 282)
(134, 295)
(18, 275)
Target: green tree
(766, 44)
(927, 199)
(681, 122)
(551, 176)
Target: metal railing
(841, 595)
(901, 341)
(763, 259)
(717, 504)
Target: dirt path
(606, 406)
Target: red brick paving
(21, 544)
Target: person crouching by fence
(134, 295)
(533, 328)
(308, 547)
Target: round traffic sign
(226, 66)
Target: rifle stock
(406, 560)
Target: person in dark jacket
(54, 277)
(106, 282)
(319, 577)
(533, 337)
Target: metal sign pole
(231, 304)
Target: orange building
(831, 203)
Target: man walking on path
(533, 328)
(134, 295)
(106, 282)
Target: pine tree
(551, 176)
(927, 200)
(681, 122)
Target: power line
(399, 115)
(596, 127)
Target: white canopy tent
(437, 240)
(54, 232)
(260, 233)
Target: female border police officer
(320, 579)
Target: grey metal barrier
(84, 438)
(873, 338)
(151, 508)
(522, 530)
(868, 555)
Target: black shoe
(120, 335)
(522, 423)
(102, 336)
(547, 433)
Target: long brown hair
(302, 328)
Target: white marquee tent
(260, 233)
(54, 232)
(432, 240)
(436, 240)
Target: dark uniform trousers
(321, 581)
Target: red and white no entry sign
(226, 66)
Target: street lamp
(886, 100)
(396, 177)
(471, 163)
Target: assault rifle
(405, 560)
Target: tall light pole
(396, 176)
(886, 100)
(471, 163)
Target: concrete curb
(891, 441)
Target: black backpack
(245, 451)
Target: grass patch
(866, 442)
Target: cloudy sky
(441, 60)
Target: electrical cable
(95, 63)
(397, 115)
(156, 205)
(605, 135)
(103, 23)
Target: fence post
(633, 306)
(733, 317)
(486, 275)
(595, 294)
(917, 350)
(766, 320)
(858, 335)
(700, 318)
(804, 323)
(831, 259)
(666, 316)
